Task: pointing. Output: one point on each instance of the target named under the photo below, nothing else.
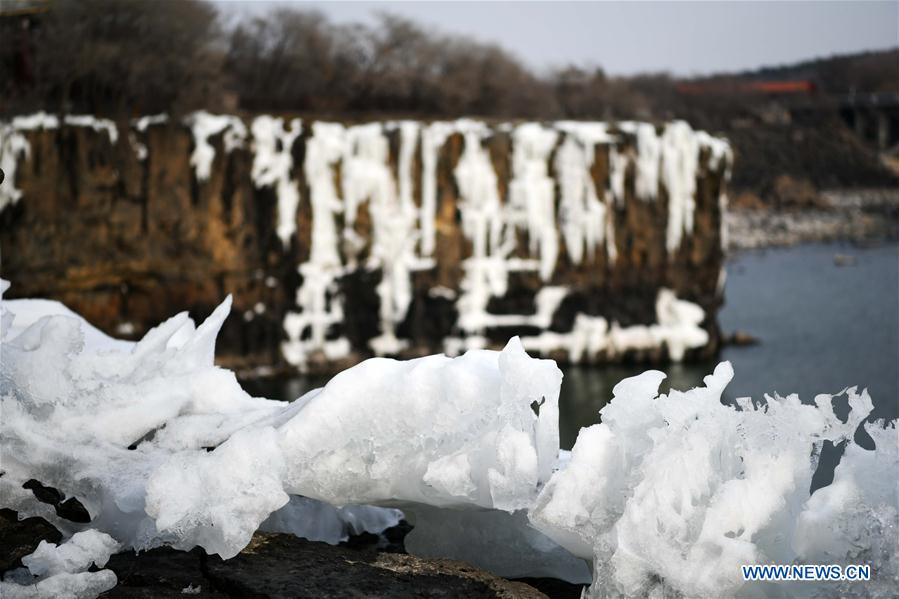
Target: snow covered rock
(384, 238)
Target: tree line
(120, 57)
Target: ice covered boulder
(671, 494)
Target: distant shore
(857, 215)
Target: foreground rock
(286, 566)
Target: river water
(826, 316)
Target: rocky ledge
(282, 565)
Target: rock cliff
(591, 241)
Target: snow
(32, 122)
(273, 165)
(433, 136)
(532, 192)
(13, 148)
(680, 161)
(204, 125)
(583, 216)
(142, 123)
(316, 297)
(649, 152)
(367, 177)
(92, 122)
(677, 328)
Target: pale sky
(684, 38)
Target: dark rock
(554, 588)
(275, 566)
(70, 509)
(163, 572)
(740, 339)
(19, 538)
(278, 565)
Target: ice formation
(677, 328)
(553, 203)
(319, 306)
(272, 166)
(680, 162)
(13, 148)
(62, 572)
(126, 429)
(670, 495)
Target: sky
(624, 38)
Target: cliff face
(593, 242)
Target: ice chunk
(60, 571)
(671, 494)
(75, 555)
(217, 500)
(347, 447)
(126, 431)
(83, 585)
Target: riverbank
(860, 216)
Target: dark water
(821, 327)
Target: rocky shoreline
(855, 215)
(283, 565)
